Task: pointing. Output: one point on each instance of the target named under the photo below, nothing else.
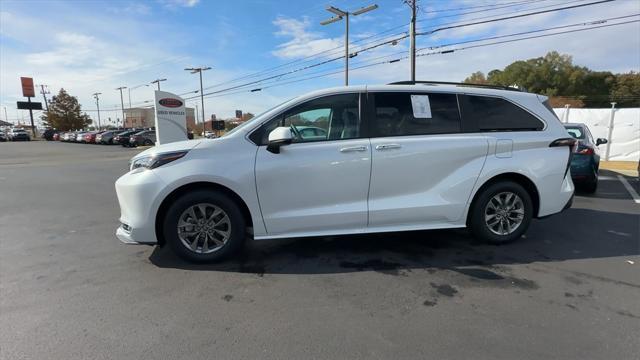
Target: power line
(475, 7)
(513, 17)
(594, 22)
(492, 9)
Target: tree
(626, 91)
(247, 116)
(476, 78)
(556, 76)
(65, 113)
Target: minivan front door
(319, 183)
(423, 167)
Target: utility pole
(6, 117)
(121, 103)
(157, 81)
(339, 15)
(44, 93)
(95, 95)
(412, 35)
(200, 70)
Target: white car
(389, 158)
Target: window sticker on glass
(421, 106)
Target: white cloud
(179, 3)
(303, 42)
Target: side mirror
(279, 136)
(600, 141)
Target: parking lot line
(630, 189)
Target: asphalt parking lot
(70, 290)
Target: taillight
(571, 143)
(584, 150)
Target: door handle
(353, 148)
(388, 146)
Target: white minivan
(353, 160)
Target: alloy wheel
(504, 213)
(204, 228)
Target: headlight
(153, 161)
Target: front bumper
(138, 193)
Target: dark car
(48, 134)
(145, 137)
(122, 138)
(19, 135)
(585, 162)
(3, 136)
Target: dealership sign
(28, 90)
(171, 118)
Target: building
(145, 118)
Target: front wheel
(501, 213)
(204, 226)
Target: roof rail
(489, 86)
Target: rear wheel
(204, 226)
(501, 213)
(148, 142)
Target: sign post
(171, 118)
(29, 91)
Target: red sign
(169, 102)
(28, 90)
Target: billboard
(171, 118)
(28, 90)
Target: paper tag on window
(421, 106)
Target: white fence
(624, 137)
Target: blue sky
(96, 46)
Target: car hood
(170, 147)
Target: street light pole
(95, 95)
(157, 81)
(339, 15)
(121, 102)
(200, 70)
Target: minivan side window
(334, 117)
(497, 114)
(402, 114)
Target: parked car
(395, 157)
(68, 136)
(91, 137)
(3, 136)
(145, 137)
(80, 136)
(106, 137)
(16, 134)
(585, 162)
(48, 134)
(56, 137)
(123, 137)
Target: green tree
(65, 113)
(556, 76)
(626, 91)
(476, 78)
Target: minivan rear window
(497, 114)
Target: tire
(234, 224)
(148, 142)
(495, 193)
(591, 185)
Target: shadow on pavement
(574, 234)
